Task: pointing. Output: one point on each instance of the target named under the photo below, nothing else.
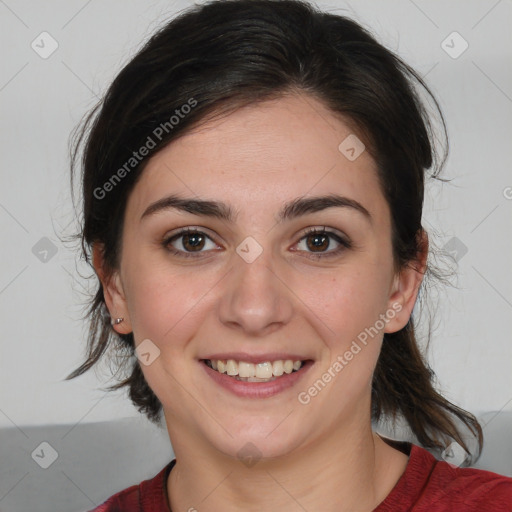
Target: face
(260, 288)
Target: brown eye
(318, 241)
(193, 242)
(187, 242)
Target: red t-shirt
(427, 485)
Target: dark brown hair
(222, 55)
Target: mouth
(264, 371)
(258, 378)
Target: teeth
(246, 369)
(278, 368)
(231, 367)
(263, 370)
(258, 372)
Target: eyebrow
(219, 210)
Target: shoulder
(148, 496)
(469, 488)
(432, 485)
(124, 501)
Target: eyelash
(344, 243)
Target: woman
(253, 187)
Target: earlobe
(406, 285)
(113, 292)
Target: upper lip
(256, 358)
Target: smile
(265, 371)
(257, 379)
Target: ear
(112, 290)
(405, 287)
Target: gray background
(42, 285)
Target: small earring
(117, 321)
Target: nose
(256, 298)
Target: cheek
(350, 304)
(161, 302)
(347, 302)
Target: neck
(352, 469)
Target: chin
(255, 440)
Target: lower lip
(257, 389)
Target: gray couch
(87, 463)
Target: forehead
(260, 156)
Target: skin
(319, 456)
